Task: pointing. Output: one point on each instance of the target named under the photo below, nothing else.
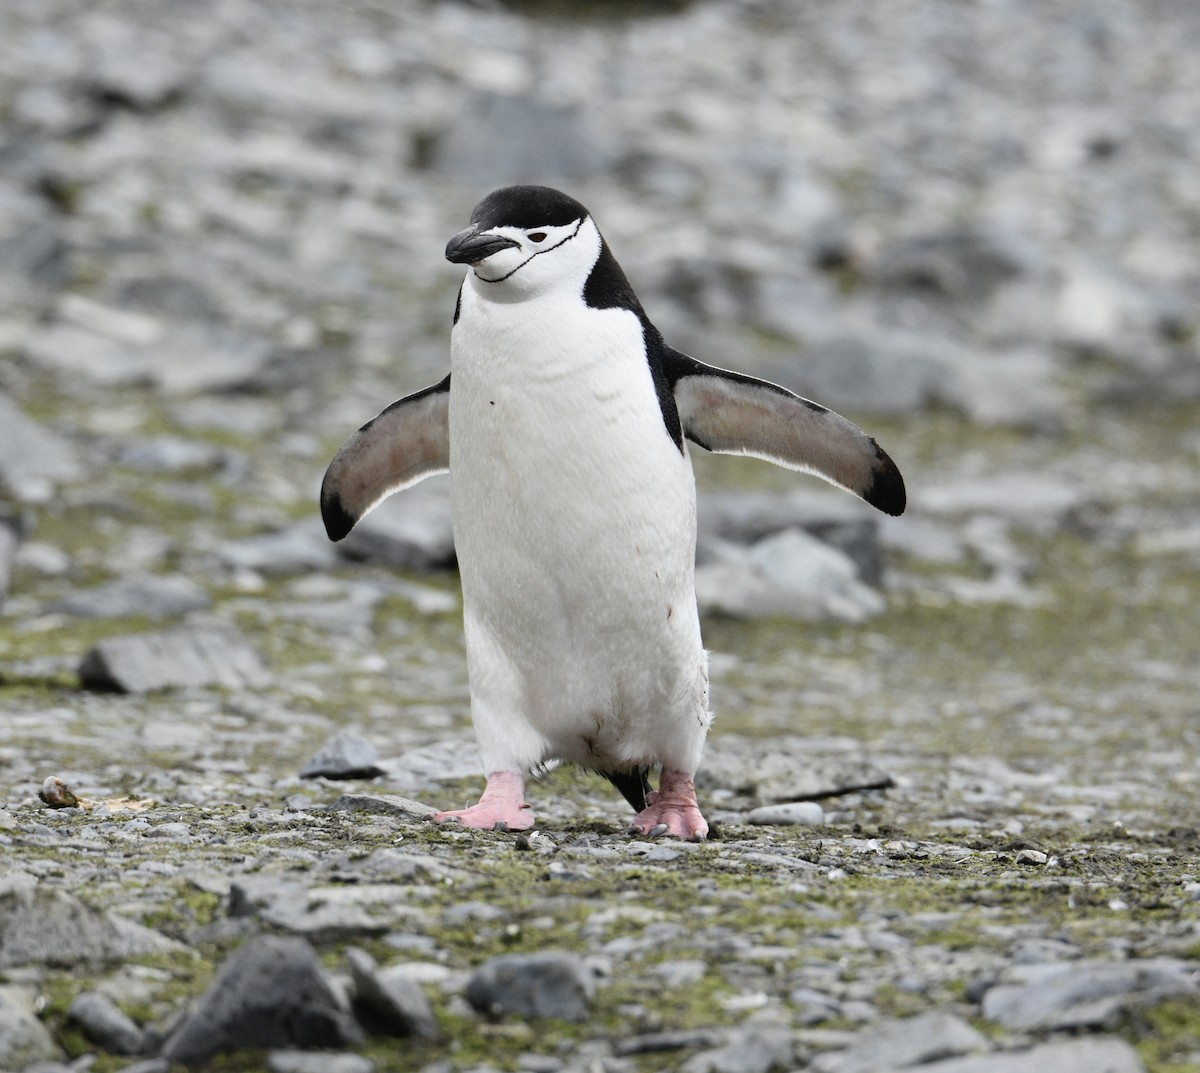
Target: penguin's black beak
(469, 247)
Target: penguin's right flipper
(409, 441)
(732, 413)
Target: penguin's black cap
(526, 206)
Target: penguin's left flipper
(409, 441)
(735, 414)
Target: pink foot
(501, 808)
(672, 810)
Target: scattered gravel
(951, 779)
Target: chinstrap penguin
(565, 423)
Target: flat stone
(272, 992)
(24, 1040)
(913, 1041)
(384, 804)
(389, 1001)
(344, 756)
(189, 657)
(148, 595)
(758, 1049)
(1085, 994)
(170, 455)
(789, 770)
(324, 913)
(105, 1025)
(318, 1062)
(1086, 1055)
(300, 549)
(549, 984)
(791, 813)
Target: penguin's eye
(537, 236)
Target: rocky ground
(954, 771)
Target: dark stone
(533, 985)
(388, 1001)
(185, 658)
(271, 992)
(345, 756)
(409, 531)
(961, 263)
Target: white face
(543, 259)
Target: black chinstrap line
(548, 249)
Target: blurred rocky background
(973, 227)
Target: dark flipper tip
(887, 489)
(338, 520)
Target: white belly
(574, 520)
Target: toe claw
(500, 825)
(658, 829)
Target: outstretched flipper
(735, 414)
(410, 440)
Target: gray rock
(1085, 994)
(272, 992)
(429, 765)
(913, 1041)
(33, 460)
(789, 574)
(105, 1025)
(188, 657)
(23, 1038)
(789, 770)
(296, 550)
(344, 756)
(865, 368)
(148, 595)
(747, 517)
(549, 984)
(757, 1049)
(1094, 1055)
(389, 1001)
(655, 1042)
(324, 913)
(384, 804)
(515, 139)
(410, 530)
(170, 454)
(1037, 501)
(791, 813)
(318, 1062)
(961, 264)
(40, 926)
(9, 541)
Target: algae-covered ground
(1042, 747)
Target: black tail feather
(634, 785)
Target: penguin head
(526, 240)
